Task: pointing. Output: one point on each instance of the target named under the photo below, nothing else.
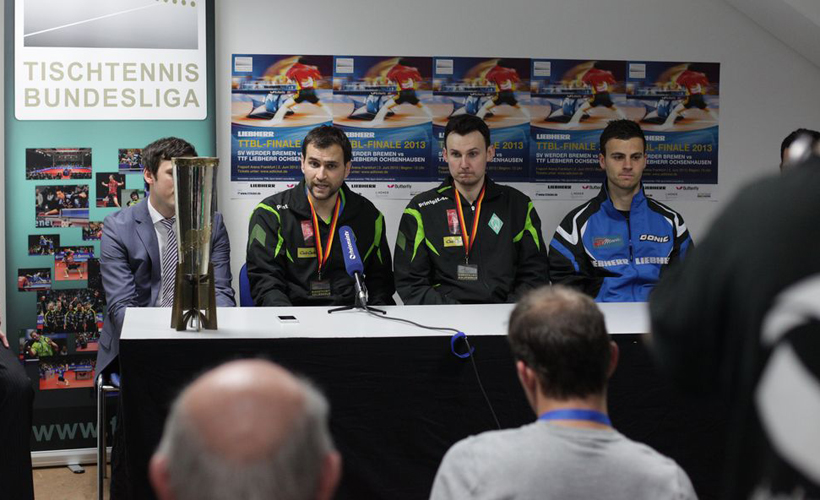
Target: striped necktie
(169, 264)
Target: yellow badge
(453, 241)
(306, 253)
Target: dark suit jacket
(130, 268)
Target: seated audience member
(740, 321)
(247, 429)
(785, 146)
(294, 253)
(469, 240)
(615, 247)
(16, 406)
(564, 358)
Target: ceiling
(794, 22)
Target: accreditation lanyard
(469, 240)
(321, 256)
(577, 414)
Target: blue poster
(497, 91)
(383, 105)
(275, 101)
(572, 102)
(680, 105)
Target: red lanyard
(469, 240)
(324, 256)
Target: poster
(88, 60)
(572, 102)
(497, 91)
(275, 101)
(383, 105)
(681, 107)
(545, 118)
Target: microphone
(353, 263)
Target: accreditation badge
(467, 272)
(453, 241)
(320, 288)
(306, 253)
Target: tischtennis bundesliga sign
(110, 60)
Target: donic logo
(607, 242)
(656, 239)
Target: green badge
(495, 223)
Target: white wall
(767, 89)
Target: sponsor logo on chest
(608, 242)
(452, 221)
(307, 232)
(654, 238)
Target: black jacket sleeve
(378, 273)
(413, 266)
(532, 269)
(266, 258)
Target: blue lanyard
(576, 414)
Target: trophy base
(194, 301)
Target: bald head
(247, 394)
(247, 429)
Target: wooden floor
(59, 483)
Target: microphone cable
(457, 335)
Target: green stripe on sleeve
(529, 227)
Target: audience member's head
(789, 140)
(560, 343)
(247, 429)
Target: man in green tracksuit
(470, 240)
(294, 253)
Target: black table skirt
(398, 404)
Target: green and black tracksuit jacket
(282, 259)
(509, 249)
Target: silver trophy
(195, 197)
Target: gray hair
(289, 471)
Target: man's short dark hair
(561, 335)
(622, 130)
(165, 149)
(787, 142)
(326, 136)
(466, 124)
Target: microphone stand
(360, 300)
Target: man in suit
(136, 246)
(133, 246)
